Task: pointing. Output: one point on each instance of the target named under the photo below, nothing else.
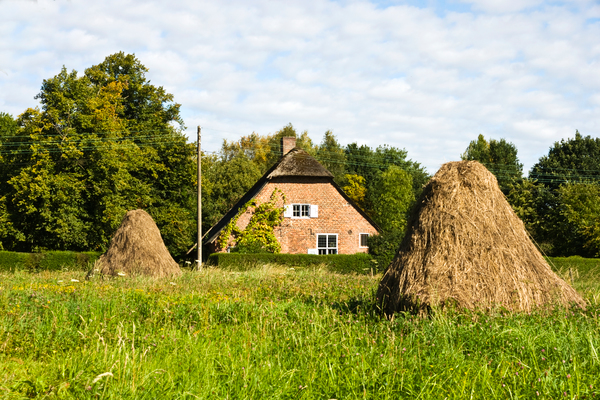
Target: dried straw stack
(465, 245)
(137, 248)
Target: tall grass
(279, 333)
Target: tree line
(109, 141)
(559, 200)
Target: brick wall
(336, 216)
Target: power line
(124, 131)
(98, 141)
(500, 170)
(63, 147)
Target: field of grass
(280, 333)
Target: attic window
(301, 211)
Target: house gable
(304, 181)
(337, 215)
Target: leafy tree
(174, 194)
(361, 161)
(8, 128)
(8, 234)
(499, 157)
(355, 189)
(524, 197)
(392, 197)
(8, 125)
(569, 161)
(225, 180)
(146, 107)
(537, 207)
(392, 182)
(255, 147)
(388, 156)
(562, 222)
(369, 163)
(152, 117)
(564, 186)
(51, 209)
(580, 209)
(331, 154)
(478, 150)
(48, 193)
(304, 142)
(102, 143)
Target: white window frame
(300, 210)
(327, 249)
(309, 211)
(360, 240)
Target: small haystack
(137, 248)
(465, 245)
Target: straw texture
(137, 248)
(465, 245)
(298, 162)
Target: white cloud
(415, 78)
(503, 6)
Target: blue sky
(427, 76)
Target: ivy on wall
(259, 234)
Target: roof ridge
(297, 162)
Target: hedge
(11, 261)
(360, 263)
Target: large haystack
(137, 248)
(465, 245)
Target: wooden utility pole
(199, 259)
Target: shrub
(360, 263)
(48, 261)
(383, 247)
(249, 247)
(11, 261)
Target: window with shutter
(301, 211)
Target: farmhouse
(319, 218)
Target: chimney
(287, 144)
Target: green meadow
(282, 333)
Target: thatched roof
(464, 244)
(296, 163)
(137, 248)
